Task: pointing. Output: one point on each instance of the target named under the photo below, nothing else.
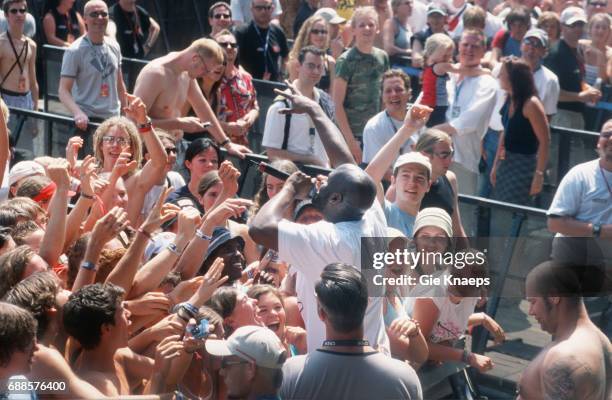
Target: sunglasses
(318, 31)
(97, 14)
(121, 141)
(17, 10)
(596, 4)
(228, 44)
(263, 8)
(533, 43)
(443, 155)
(221, 16)
(170, 150)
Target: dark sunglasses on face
(221, 16)
(319, 32)
(17, 10)
(97, 14)
(228, 44)
(262, 8)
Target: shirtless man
(102, 332)
(166, 83)
(577, 364)
(18, 86)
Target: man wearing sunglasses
(91, 84)
(135, 30)
(18, 85)
(219, 17)
(29, 28)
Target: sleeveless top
(325, 81)
(441, 195)
(63, 27)
(434, 88)
(519, 136)
(402, 37)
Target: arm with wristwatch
(569, 226)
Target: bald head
(349, 192)
(92, 3)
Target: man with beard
(581, 206)
(577, 364)
(347, 201)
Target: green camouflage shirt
(363, 74)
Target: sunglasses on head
(18, 10)
(97, 14)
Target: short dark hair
(397, 73)
(18, 331)
(5, 235)
(198, 146)
(518, 14)
(88, 309)
(218, 4)
(223, 302)
(309, 49)
(7, 4)
(343, 295)
(37, 294)
(12, 266)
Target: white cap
(573, 14)
(413, 157)
(23, 169)
(433, 216)
(252, 343)
(330, 15)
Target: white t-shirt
(310, 248)
(300, 139)
(176, 181)
(453, 318)
(547, 84)
(471, 104)
(379, 130)
(583, 194)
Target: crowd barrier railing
(569, 147)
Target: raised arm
(264, 226)
(79, 212)
(53, 241)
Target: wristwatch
(596, 230)
(88, 265)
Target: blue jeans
(489, 144)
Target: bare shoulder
(101, 381)
(571, 369)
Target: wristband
(224, 143)
(146, 127)
(251, 273)
(183, 314)
(173, 249)
(541, 173)
(190, 308)
(145, 233)
(88, 265)
(202, 235)
(87, 196)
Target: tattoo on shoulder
(561, 380)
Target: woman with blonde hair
(118, 151)
(314, 32)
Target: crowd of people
(132, 266)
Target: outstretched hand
(417, 116)
(300, 104)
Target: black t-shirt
(563, 61)
(65, 25)
(132, 31)
(262, 50)
(184, 193)
(304, 12)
